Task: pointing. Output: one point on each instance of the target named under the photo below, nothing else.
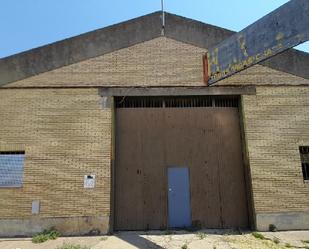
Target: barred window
(176, 101)
(304, 156)
(11, 169)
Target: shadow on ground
(136, 239)
(139, 239)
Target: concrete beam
(194, 32)
(176, 91)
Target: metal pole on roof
(163, 17)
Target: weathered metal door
(179, 208)
(204, 138)
(140, 173)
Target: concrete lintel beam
(176, 91)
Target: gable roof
(126, 34)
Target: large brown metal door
(205, 139)
(140, 192)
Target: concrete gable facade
(159, 62)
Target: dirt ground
(204, 239)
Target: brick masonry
(66, 132)
(66, 135)
(277, 123)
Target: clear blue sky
(26, 24)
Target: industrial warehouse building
(116, 130)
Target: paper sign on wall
(89, 181)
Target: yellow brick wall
(276, 124)
(66, 134)
(261, 75)
(158, 62)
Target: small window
(11, 169)
(304, 156)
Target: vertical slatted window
(11, 168)
(176, 101)
(304, 156)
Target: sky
(27, 24)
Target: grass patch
(306, 241)
(185, 246)
(70, 246)
(169, 232)
(50, 234)
(201, 235)
(258, 235)
(103, 238)
(272, 228)
(288, 245)
(276, 240)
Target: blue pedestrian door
(179, 208)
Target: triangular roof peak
(128, 33)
